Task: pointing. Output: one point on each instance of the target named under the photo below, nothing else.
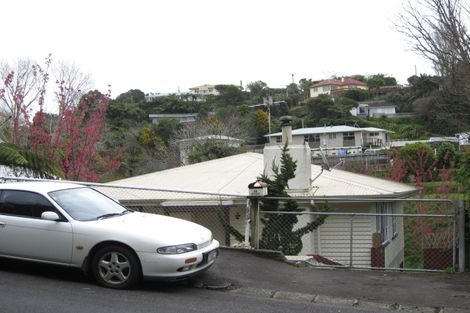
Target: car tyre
(116, 267)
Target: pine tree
(278, 231)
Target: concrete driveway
(248, 273)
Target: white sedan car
(73, 225)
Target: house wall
(352, 87)
(358, 138)
(394, 241)
(205, 90)
(327, 141)
(316, 91)
(395, 250)
(182, 119)
(332, 140)
(370, 140)
(381, 110)
(334, 236)
(326, 89)
(331, 240)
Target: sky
(171, 45)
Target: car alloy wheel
(116, 267)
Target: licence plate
(211, 256)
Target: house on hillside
(180, 117)
(333, 87)
(380, 108)
(204, 90)
(335, 140)
(434, 142)
(221, 187)
(464, 138)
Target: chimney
(286, 129)
(299, 151)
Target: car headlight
(178, 249)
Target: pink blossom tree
(70, 139)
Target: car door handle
(2, 224)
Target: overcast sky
(158, 46)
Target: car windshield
(85, 204)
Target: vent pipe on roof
(286, 129)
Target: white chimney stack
(298, 150)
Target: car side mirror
(50, 216)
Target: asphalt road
(27, 287)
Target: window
(313, 140)
(85, 204)
(331, 136)
(278, 139)
(24, 203)
(349, 139)
(373, 134)
(382, 220)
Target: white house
(464, 138)
(335, 140)
(434, 142)
(379, 108)
(222, 184)
(204, 90)
(334, 87)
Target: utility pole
(292, 74)
(268, 101)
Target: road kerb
(345, 302)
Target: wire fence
(404, 234)
(415, 234)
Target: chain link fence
(405, 234)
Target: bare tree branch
(437, 30)
(73, 83)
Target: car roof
(39, 186)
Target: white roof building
(332, 139)
(231, 175)
(221, 185)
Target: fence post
(258, 221)
(461, 219)
(247, 222)
(351, 242)
(251, 224)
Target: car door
(24, 234)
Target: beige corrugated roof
(231, 175)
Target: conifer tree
(278, 231)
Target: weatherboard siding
(334, 238)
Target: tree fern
(27, 161)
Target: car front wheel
(116, 267)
